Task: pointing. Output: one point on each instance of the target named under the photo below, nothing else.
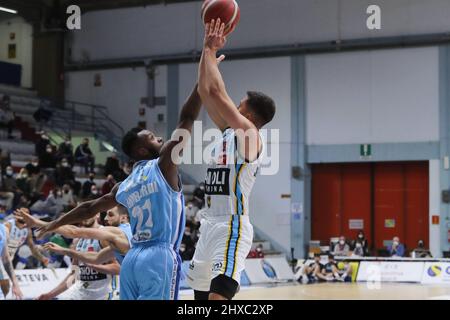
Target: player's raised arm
(83, 211)
(103, 256)
(215, 97)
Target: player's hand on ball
(214, 35)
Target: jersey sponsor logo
(217, 181)
(89, 274)
(217, 266)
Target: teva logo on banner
(436, 272)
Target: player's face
(112, 218)
(245, 110)
(20, 223)
(150, 144)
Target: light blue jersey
(151, 269)
(126, 229)
(3, 240)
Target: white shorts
(224, 244)
(88, 290)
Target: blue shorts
(150, 272)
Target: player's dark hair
(129, 141)
(263, 106)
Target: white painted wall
(271, 76)
(373, 96)
(145, 31)
(24, 46)
(121, 92)
(435, 204)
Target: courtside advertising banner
(390, 271)
(35, 282)
(436, 273)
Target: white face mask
(65, 164)
(35, 164)
(341, 242)
(94, 192)
(9, 172)
(358, 245)
(59, 194)
(396, 243)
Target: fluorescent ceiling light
(8, 10)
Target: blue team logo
(434, 271)
(268, 269)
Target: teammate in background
(226, 232)
(114, 239)
(17, 234)
(84, 282)
(6, 264)
(152, 194)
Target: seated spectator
(421, 251)
(94, 193)
(358, 251)
(341, 248)
(8, 188)
(68, 199)
(187, 247)
(109, 184)
(190, 210)
(330, 271)
(65, 151)
(41, 145)
(257, 252)
(37, 178)
(112, 166)
(311, 271)
(42, 115)
(84, 156)
(199, 196)
(51, 206)
(87, 185)
(7, 117)
(48, 159)
(361, 238)
(396, 249)
(23, 181)
(5, 160)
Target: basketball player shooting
(226, 232)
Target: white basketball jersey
(229, 179)
(17, 237)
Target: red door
(390, 199)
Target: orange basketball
(227, 10)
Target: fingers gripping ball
(227, 10)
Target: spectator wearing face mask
(48, 159)
(257, 252)
(396, 249)
(187, 247)
(109, 184)
(94, 193)
(341, 248)
(23, 182)
(65, 151)
(8, 188)
(358, 251)
(67, 198)
(345, 274)
(421, 251)
(51, 206)
(87, 185)
(84, 156)
(190, 211)
(37, 177)
(361, 238)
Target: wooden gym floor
(340, 291)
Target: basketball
(227, 10)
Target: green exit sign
(365, 150)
